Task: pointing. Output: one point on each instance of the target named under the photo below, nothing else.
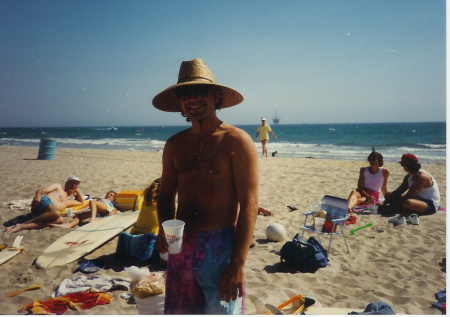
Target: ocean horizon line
(188, 125)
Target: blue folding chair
(337, 208)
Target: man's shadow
(18, 219)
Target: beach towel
(74, 301)
(102, 283)
(140, 247)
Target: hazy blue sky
(100, 63)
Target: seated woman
(147, 221)
(372, 180)
(105, 207)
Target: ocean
(427, 140)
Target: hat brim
(167, 100)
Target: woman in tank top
(372, 180)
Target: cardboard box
(130, 200)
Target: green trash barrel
(46, 149)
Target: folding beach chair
(337, 208)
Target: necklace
(199, 153)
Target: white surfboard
(10, 252)
(85, 239)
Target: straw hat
(194, 72)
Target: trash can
(46, 149)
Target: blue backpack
(304, 256)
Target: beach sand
(397, 265)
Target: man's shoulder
(233, 131)
(178, 135)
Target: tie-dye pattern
(194, 273)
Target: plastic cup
(69, 212)
(315, 207)
(374, 209)
(318, 223)
(173, 229)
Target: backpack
(304, 256)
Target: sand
(397, 265)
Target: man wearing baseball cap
(422, 197)
(47, 204)
(213, 168)
(264, 130)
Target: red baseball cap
(408, 158)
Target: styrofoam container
(152, 305)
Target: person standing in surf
(264, 130)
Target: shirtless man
(47, 204)
(213, 167)
(423, 194)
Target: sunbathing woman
(105, 207)
(372, 180)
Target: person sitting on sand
(423, 194)
(105, 207)
(47, 204)
(372, 180)
(147, 221)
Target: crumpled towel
(102, 283)
(75, 301)
(376, 308)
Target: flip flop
(292, 208)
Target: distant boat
(113, 129)
(331, 128)
(276, 120)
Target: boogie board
(10, 252)
(83, 240)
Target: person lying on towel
(48, 202)
(105, 207)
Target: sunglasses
(199, 91)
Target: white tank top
(373, 181)
(431, 193)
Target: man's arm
(257, 133)
(274, 135)
(385, 180)
(417, 185)
(79, 199)
(166, 198)
(246, 175)
(396, 194)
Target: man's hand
(231, 284)
(161, 244)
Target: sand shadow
(118, 263)
(17, 220)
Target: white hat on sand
(73, 178)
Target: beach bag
(304, 256)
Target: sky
(101, 62)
